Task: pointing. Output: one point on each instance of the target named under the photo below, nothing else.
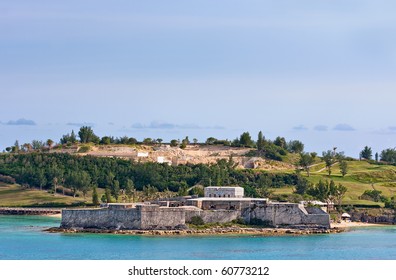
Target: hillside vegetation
(112, 169)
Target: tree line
(75, 175)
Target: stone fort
(220, 205)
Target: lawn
(17, 196)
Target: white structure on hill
(217, 191)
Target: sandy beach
(346, 225)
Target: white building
(217, 191)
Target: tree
(245, 140)
(302, 185)
(41, 179)
(328, 158)
(313, 155)
(366, 153)
(69, 138)
(129, 189)
(87, 135)
(38, 145)
(174, 143)
(49, 143)
(15, 148)
(106, 140)
(195, 140)
(260, 142)
(343, 167)
(280, 142)
(376, 157)
(340, 193)
(159, 140)
(306, 161)
(95, 197)
(210, 141)
(115, 189)
(295, 146)
(147, 141)
(389, 155)
(108, 195)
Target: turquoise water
(22, 238)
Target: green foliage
(306, 160)
(174, 143)
(343, 168)
(210, 141)
(366, 153)
(197, 221)
(329, 159)
(327, 191)
(260, 142)
(53, 170)
(302, 185)
(295, 146)
(69, 138)
(245, 140)
(391, 203)
(373, 195)
(84, 149)
(108, 195)
(95, 197)
(280, 142)
(87, 135)
(389, 155)
(129, 189)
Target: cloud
(321, 127)
(20, 122)
(392, 128)
(170, 126)
(343, 127)
(80, 124)
(300, 127)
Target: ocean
(23, 238)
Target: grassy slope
(361, 176)
(15, 195)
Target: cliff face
(192, 154)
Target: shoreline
(210, 231)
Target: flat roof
(229, 199)
(222, 187)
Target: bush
(197, 221)
(239, 221)
(84, 149)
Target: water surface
(22, 238)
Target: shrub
(84, 149)
(197, 221)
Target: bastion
(216, 207)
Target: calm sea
(22, 238)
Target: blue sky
(318, 71)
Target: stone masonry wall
(218, 216)
(101, 218)
(162, 218)
(285, 214)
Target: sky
(322, 72)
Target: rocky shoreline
(209, 231)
